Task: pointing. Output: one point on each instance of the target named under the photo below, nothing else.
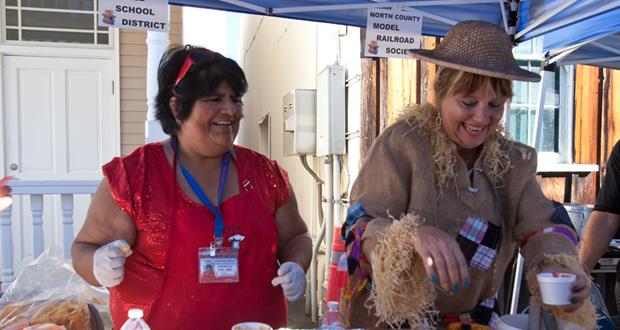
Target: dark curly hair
(209, 71)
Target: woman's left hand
(580, 288)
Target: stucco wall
(279, 55)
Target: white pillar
(156, 43)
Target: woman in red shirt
(194, 230)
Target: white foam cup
(512, 322)
(251, 326)
(555, 288)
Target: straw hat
(477, 47)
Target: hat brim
(510, 73)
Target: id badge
(218, 265)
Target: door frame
(14, 49)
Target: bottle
(332, 319)
(135, 321)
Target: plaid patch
(483, 258)
(474, 229)
(479, 240)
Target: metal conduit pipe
(313, 275)
(311, 297)
(329, 213)
(336, 194)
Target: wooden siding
(133, 58)
(388, 86)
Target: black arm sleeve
(608, 199)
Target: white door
(60, 123)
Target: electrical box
(299, 118)
(330, 111)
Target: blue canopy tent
(439, 15)
(574, 32)
(595, 42)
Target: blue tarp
(437, 22)
(562, 22)
(585, 31)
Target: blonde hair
(456, 82)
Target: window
(63, 21)
(556, 127)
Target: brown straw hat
(477, 47)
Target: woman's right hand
(443, 259)
(109, 261)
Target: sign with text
(392, 33)
(134, 14)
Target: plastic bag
(49, 291)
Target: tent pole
(244, 4)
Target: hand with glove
(109, 261)
(292, 279)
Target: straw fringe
(495, 150)
(585, 316)
(402, 292)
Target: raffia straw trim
(495, 150)
(402, 291)
(585, 316)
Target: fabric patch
(479, 241)
(486, 312)
(483, 258)
(474, 229)
(354, 212)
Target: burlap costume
(398, 177)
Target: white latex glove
(292, 279)
(109, 261)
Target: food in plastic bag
(70, 313)
(49, 291)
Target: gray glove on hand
(292, 279)
(108, 263)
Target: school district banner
(150, 15)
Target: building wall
(133, 58)
(277, 56)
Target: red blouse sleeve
(117, 173)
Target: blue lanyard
(218, 233)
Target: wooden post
(368, 103)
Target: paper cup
(555, 288)
(251, 326)
(512, 322)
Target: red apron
(184, 303)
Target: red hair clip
(186, 66)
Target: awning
(574, 32)
(439, 15)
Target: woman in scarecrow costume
(444, 198)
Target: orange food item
(46, 326)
